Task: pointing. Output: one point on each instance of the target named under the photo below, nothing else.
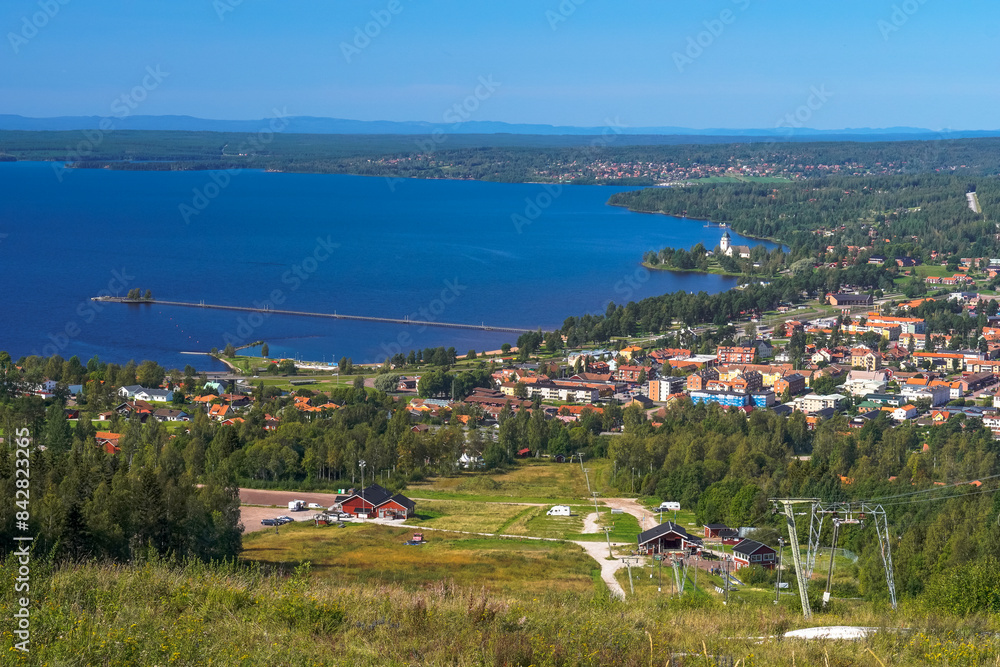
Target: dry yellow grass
(464, 515)
(530, 480)
(374, 553)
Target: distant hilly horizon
(319, 125)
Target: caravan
(559, 510)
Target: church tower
(724, 244)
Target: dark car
(269, 522)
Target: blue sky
(878, 63)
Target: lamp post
(361, 464)
(777, 583)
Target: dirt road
(599, 552)
(281, 498)
(628, 505)
(646, 518)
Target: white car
(315, 506)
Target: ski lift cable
(930, 490)
(928, 500)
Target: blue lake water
(520, 255)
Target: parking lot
(275, 505)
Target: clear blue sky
(936, 69)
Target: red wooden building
(667, 536)
(750, 552)
(720, 530)
(375, 502)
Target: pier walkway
(300, 313)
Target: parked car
(269, 522)
(315, 506)
(284, 519)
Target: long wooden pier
(301, 313)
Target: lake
(518, 255)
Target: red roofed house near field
(750, 552)
(108, 441)
(375, 501)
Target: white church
(741, 251)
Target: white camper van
(559, 510)
(296, 505)
(670, 506)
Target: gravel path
(590, 523)
(599, 552)
(628, 505)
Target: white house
(470, 462)
(904, 412)
(160, 395)
(129, 391)
(45, 389)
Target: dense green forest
(612, 158)
(656, 314)
(727, 465)
(917, 213)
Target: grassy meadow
(529, 481)
(365, 554)
(155, 613)
(465, 515)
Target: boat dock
(301, 313)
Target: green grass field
(346, 610)
(925, 270)
(465, 515)
(530, 480)
(358, 596)
(373, 553)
